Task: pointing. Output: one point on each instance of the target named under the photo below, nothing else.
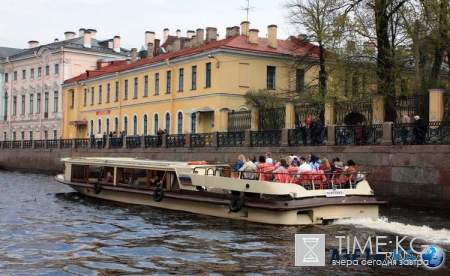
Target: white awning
(200, 110)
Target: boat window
(132, 176)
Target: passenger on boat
(248, 170)
(303, 166)
(269, 160)
(352, 170)
(283, 165)
(109, 177)
(240, 162)
(336, 164)
(314, 163)
(325, 165)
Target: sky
(45, 20)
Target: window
(125, 90)
(85, 97)
(194, 122)
(38, 103)
(14, 105)
(30, 135)
(30, 108)
(22, 135)
(194, 78)
(56, 69)
(135, 122)
(145, 124)
(39, 72)
(270, 77)
(47, 70)
(99, 94)
(72, 99)
(125, 125)
(22, 106)
(15, 75)
(180, 79)
(145, 86)
(156, 83)
(32, 73)
(92, 95)
(6, 104)
(91, 124)
(4, 136)
(55, 101)
(167, 121)
(55, 134)
(168, 80)
(14, 136)
(180, 123)
(99, 126)
(208, 75)
(116, 124)
(24, 74)
(6, 77)
(300, 80)
(45, 134)
(108, 92)
(155, 123)
(107, 125)
(116, 92)
(135, 88)
(46, 102)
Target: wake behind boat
(209, 188)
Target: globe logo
(433, 256)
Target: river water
(48, 229)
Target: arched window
(155, 124)
(145, 124)
(99, 126)
(194, 123)
(91, 126)
(6, 104)
(180, 123)
(125, 125)
(116, 124)
(107, 126)
(135, 122)
(167, 128)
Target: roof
(74, 43)
(6, 51)
(239, 43)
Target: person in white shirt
(303, 166)
(269, 160)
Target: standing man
(405, 128)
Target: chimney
(211, 34)
(165, 34)
(150, 50)
(303, 37)
(253, 36)
(33, 43)
(149, 37)
(56, 40)
(187, 43)
(110, 43)
(116, 44)
(176, 45)
(157, 46)
(245, 26)
(69, 35)
(272, 36)
(87, 39)
(228, 32)
(93, 33)
(235, 31)
(133, 55)
(199, 36)
(190, 33)
(81, 32)
(178, 33)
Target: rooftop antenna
(248, 8)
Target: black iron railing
(201, 140)
(231, 139)
(270, 138)
(176, 140)
(423, 133)
(152, 141)
(359, 135)
(66, 143)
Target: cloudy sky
(45, 20)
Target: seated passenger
(109, 177)
(352, 170)
(303, 166)
(248, 169)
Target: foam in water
(432, 235)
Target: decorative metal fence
(359, 135)
(16, 144)
(353, 113)
(133, 142)
(266, 138)
(39, 144)
(52, 144)
(66, 143)
(231, 139)
(153, 141)
(116, 143)
(239, 121)
(83, 143)
(27, 144)
(176, 140)
(413, 105)
(201, 140)
(307, 110)
(426, 133)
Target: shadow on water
(47, 229)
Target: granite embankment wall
(411, 175)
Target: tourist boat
(210, 188)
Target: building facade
(187, 84)
(30, 92)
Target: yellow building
(187, 84)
